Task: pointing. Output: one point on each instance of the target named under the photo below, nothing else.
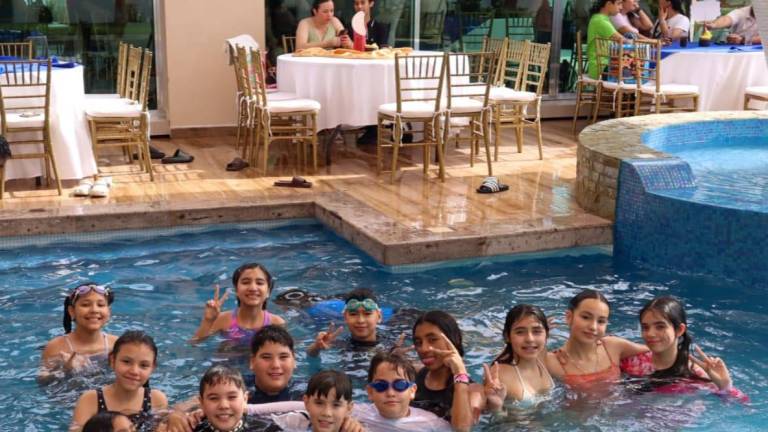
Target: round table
(70, 138)
(721, 73)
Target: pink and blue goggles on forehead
(86, 288)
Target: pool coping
(604, 145)
(380, 236)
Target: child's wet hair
(513, 316)
(446, 323)
(271, 333)
(360, 294)
(672, 310)
(321, 384)
(220, 374)
(400, 363)
(586, 295)
(253, 266)
(102, 421)
(71, 299)
(134, 337)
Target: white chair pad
(760, 91)
(464, 105)
(460, 121)
(15, 120)
(501, 94)
(274, 96)
(670, 89)
(417, 109)
(588, 79)
(293, 105)
(112, 108)
(615, 86)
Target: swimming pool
(162, 279)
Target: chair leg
(52, 161)
(396, 142)
(497, 129)
(440, 153)
(314, 142)
(598, 100)
(425, 149)
(2, 180)
(378, 145)
(485, 129)
(265, 152)
(578, 106)
(540, 138)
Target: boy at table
(741, 23)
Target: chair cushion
(273, 96)
(507, 94)
(588, 79)
(16, 120)
(610, 85)
(112, 108)
(465, 105)
(293, 105)
(670, 89)
(418, 109)
(460, 121)
(761, 91)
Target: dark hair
(359, 294)
(323, 382)
(253, 266)
(220, 374)
(68, 301)
(598, 5)
(586, 295)
(400, 363)
(673, 311)
(316, 4)
(135, 337)
(446, 323)
(102, 421)
(677, 6)
(514, 315)
(271, 333)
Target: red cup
(359, 42)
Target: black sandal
(179, 157)
(296, 182)
(237, 164)
(491, 185)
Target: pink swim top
(585, 381)
(641, 365)
(237, 333)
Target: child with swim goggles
(253, 285)
(669, 363)
(361, 315)
(133, 359)
(589, 360)
(88, 305)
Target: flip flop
(237, 164)
(179, 157)
(101, 188)
(83, 188)
(297, 182)
(491, 185)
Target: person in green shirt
(600, 26)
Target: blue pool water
(162, 279)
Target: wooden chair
(474, 29)
(507, 85)
(652, 95)
(469, 77)
(510, 105)
(289, 44)
(617, 89)
(757, 93)
(586, 87)
(432, 26)
(499, 49)
(519, 27)
(20, 50)
(419, 81)
(25, 96)
(122, 60)
(126, 124)
(293, 120)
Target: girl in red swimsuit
(589, 359)
(669, 362)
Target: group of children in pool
(439, 396)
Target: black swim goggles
(399, 385)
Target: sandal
(179, 157)
(101, 188)
(83, 189)
(491, 185)
(237, 164)
(296, 182)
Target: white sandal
(101, 188)
(83, 189)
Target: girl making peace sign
(253, 285)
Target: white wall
(201, 84)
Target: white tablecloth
(70, 139)
(721, 77)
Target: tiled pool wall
(658, 230)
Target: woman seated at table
(742, 23)
(322, 29)
(600, 26)
(672, 24)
